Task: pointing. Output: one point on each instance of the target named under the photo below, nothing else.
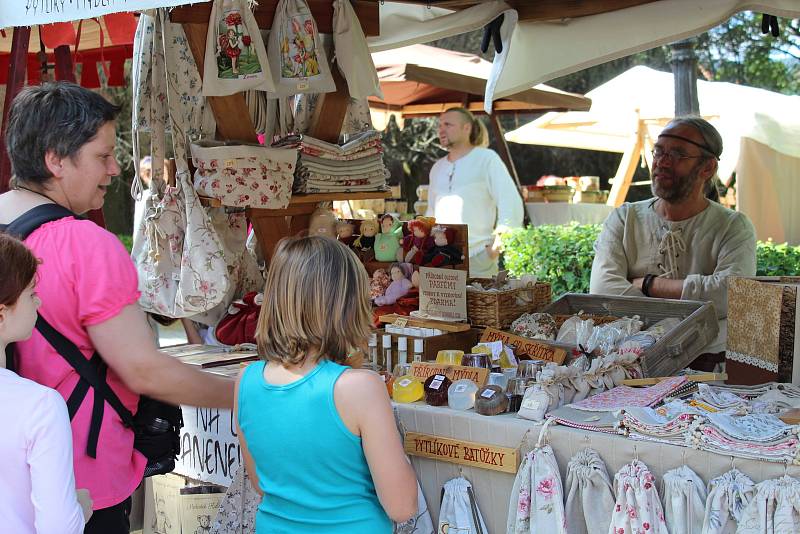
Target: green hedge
(562, 255)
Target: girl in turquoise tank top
(319, 438)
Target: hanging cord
(671, 247)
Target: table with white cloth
(565, 212)
(492, 489)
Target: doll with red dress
(418, 241)
(443, 252)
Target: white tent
(760, 131)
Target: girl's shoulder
(360, 383)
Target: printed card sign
(462, 452)
(209, 446)
(424, 370)
(443, 293)
(33, 12)
(537, 350)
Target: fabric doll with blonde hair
(364, 245)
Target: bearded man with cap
(679, 244)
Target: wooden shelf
(330, 197)
(426, 323)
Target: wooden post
(627, 166)
(17, 70)
(64, 67)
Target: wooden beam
(500, 106)
(368, 13)
(230, 112)
(330, 113)
(627, 166)
(17, 69)
(545, 10)
(65, 68)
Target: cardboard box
(172, 507)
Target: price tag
(488, 393)
(400, 322)
(404, 383)
(302, 86)
(461, 388)
(230, 163)
(531, 403)
(436, 384)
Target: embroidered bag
(590, 498)
(773, 509)
(728, 496)
(176, 250)
(684, 500)
(236, 59)
(459, 511)
(245, 175)
(298, 61)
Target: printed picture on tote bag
(236, 57)
(298, 48)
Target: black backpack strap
(25, 224)
(93, 374)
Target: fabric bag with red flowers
(537, 497)
(637, 508)
(244, 175)
(236, 59)
(297, 58)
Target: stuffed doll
(344, 233)
(388, 241)
(417, 242)
(400, 286)
(365, 243)
(443, 252)
(322, 223)
(380, 281)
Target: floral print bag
(537, 500)
(297, 58)
(236, 59)
(245, 175)
(637, 509)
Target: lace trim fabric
(751, 360)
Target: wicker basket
(498, 309)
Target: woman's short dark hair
(57, 117)
(17, 269)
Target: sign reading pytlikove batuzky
(209, 446)
(443, 293)
(33, 12)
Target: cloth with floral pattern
(684, 500)
(590, 496)
(637, 509)
(625, 396)
(728, 496)
(537, 497)
(237, 510)
(459, 512)
(775, 508)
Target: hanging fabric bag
(459, 511)
(590, 497)
(297, 58)
(236, 59)
(352, 54)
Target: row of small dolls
(427, 244)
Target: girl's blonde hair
(478, 136)
(316, 302)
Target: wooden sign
(530, 347)
(443, 293)
(423, 370)
(457, 451)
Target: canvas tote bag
(297, 58)
(459, 512)
(236, 59)
(352, 54)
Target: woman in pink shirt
(61, 140)
(37, 485)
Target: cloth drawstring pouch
(235, 59)
(775, 508)
(589, 494)
(176, 250)
(459, 511)
(297, 59)
(637, 507)
(684, 500)
(537, 497)
(352, 54)
(728, 496)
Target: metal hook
(635, 453)
(732, 464)
(786, 468)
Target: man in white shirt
(679, 244)
(471, 186)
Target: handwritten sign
(32, 12)
(535, 349)
(423, 370)
(443, 293)
(462, 452)
(209, 445)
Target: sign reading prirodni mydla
(33, 12)
(462, 452)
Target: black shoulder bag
(156, 425)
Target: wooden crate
(431, 344)
(677, 349)
(498, 309)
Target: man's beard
(681, 186)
